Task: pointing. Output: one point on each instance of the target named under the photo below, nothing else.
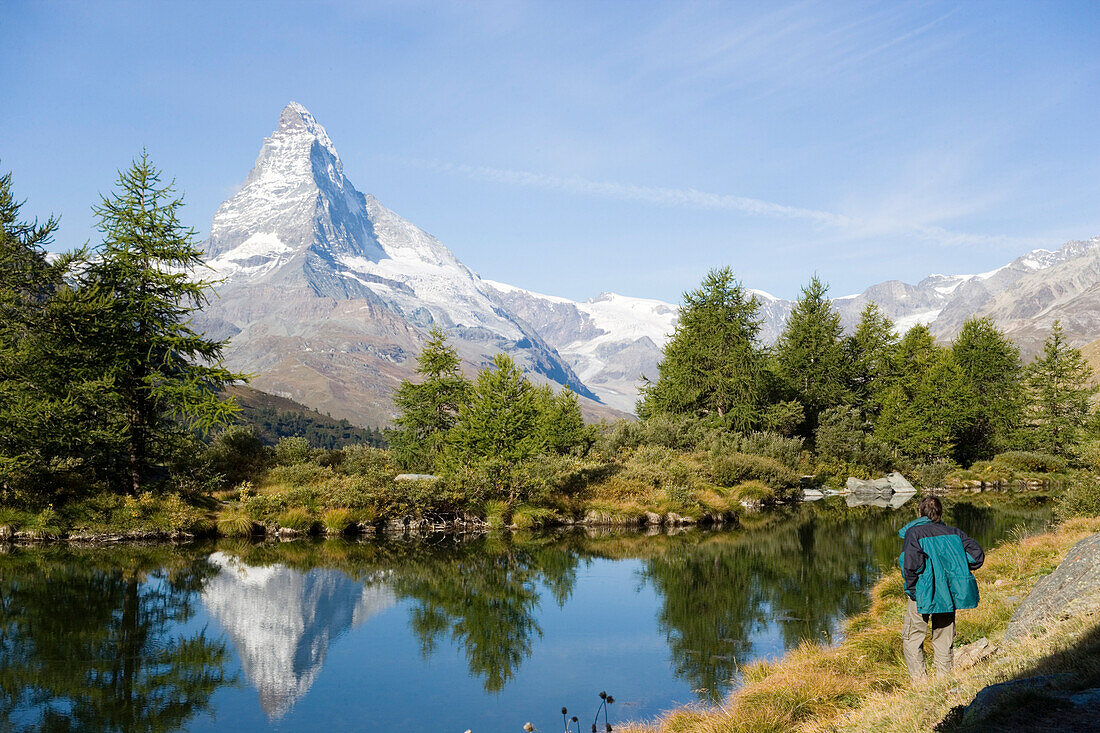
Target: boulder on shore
(1072, 589)
(888, 485)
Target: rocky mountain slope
(327, 295)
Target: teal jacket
(936, 562)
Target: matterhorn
(327, 296)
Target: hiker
(936, 563)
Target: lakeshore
(860, 684)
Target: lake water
(438, 634)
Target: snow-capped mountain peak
(296, 119)
(298, 229)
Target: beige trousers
(914, 628)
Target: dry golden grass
(861, 684)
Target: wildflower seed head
(574, 718)
(610, 700)
(528, 727)
(603, 695)
(563, 710)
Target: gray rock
(886, 486)
(652, 518)
(1073, 588)
(1004, 696)
(970, 654)
(415, 477)
(878, 486)
(900, 484)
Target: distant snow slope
(610, 341)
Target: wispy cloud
(843, 226)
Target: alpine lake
(439, 632)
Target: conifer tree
(712, 364)
(560, 421)
(428, 409)
(52, 391)
(165, 374)
(500, 420)
(1059, 385)
(994, 378)
(809, 356)
(870, 351)
(927, 402)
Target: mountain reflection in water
(281, 621)
(129, 639)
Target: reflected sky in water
(408, 634)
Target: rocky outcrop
(1073, 589)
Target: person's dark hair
(930, 507)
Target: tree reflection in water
(92, 639)
(88, 641)
(484, 596)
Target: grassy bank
(861, 684)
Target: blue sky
(574, 148)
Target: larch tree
(52, 391)
(1060, 390)
(809, 357)
(428, 408)
(870, 351)
(500, 420)
(713, 363)
(167, 376)
(927, 402)
(994, 377)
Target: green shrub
(299, 474)
(179, 516)
(1079, 498)
(734, 468)
(296, 518)
(400, 498)
(263, 506)
(1089, 455)
(840, 434)
(238, 455)
(331, 458)
(930, 475)
(366, 461)
(1023, 461)
(292, 450)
